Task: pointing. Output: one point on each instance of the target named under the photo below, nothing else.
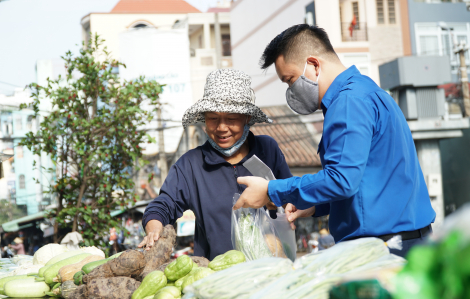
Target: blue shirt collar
(337, 85)
(213, 157)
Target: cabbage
(26, 270)
(46, 252)
(93, 250)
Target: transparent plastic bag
(239, 281)
(253, 233)
(343, 257)
(286, 235)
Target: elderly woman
(204, 179)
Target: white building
(20, 182)
(378, 36)
(169, 41)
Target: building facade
(365, 33)
(25, 180)
(435, 27)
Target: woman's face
(225, 128)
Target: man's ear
(248, 119)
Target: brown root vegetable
(200, 261)
(275, 245)
(160, 253)
(111, 288)
(129, 264)
(66, 273)
(81, 292)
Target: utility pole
(161, 146)
(461, 49)
(218, 42)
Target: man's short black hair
(297, 43)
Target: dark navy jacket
(202, 181)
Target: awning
(139, 206)
(22, 222)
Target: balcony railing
(356, 33)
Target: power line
(9, 84)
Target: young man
(371, 183)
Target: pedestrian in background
(18, 246)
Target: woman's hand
(154, 229)
(293, 213)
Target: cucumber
(25, 288)
(53, 270)
(92, 265)
(10, 278)
(41, 271)
(64, 256)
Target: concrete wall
(435, 12)
(109, 25)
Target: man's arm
(351, 129)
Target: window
(19, 123)
(431, 39)
(380, 12)
(29, 123)
(22, 182)
(355, 8)
(226, 46)
(140, 26)
(19, 152)
(391, 12)
(199, 41)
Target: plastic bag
(306, 284)
(286, 235)
(239, 281)
(284, 232)
(253, 233)
(343, 257)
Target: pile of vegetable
(439, 268)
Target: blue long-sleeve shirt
(202, 181)
(371, 183)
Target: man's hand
(153, 229)
(255, 195)
(293, 213)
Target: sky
(45, 29)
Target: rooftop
(292, 135)
(154, 6)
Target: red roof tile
(154, 6)
(293, 137)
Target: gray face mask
(303, 96)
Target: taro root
(111, 288)
(80, 292)
(200, 261)
(161, 251)
(129, 264)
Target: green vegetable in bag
(179, 267)
(153, 282)
(250, 240)
(168, 292)
(226, 260)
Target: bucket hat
(228, 91)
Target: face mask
(303, 96)
(228, 152)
